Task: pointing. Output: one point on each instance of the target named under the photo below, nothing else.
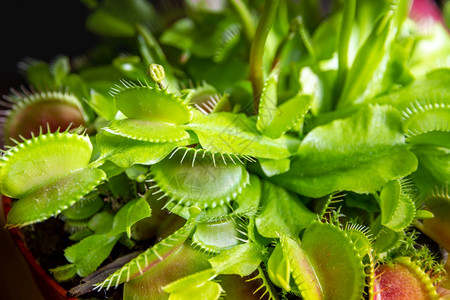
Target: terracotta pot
(49, 288)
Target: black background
(40, 29)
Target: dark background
(40, 29)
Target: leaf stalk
(257, 49)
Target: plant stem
(306, 38)
(257, 49)
(155, 53)
(246, 18)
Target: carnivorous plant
(241, 149)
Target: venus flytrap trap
(245, 150)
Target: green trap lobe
(236, 134)
(41, 161)
(216, 236)
(50, 200)
(196, 179)
(304, 275)
(148, 131)
(149, 286)
(335, 260)
(125, 152)
(151, 104)
(149, 259)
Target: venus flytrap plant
(182, 192)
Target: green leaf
(268, 103)
(177, 270)
(102, 105)
(147, 131)
(152, 53)
(289, 114)
(305, 277)
(248, 200)
(199, 178)
(126, 152)
(386, 239)
(236, 134)
(116, 18)
(229, 42)
(41, 161)
(90, 252)
(129, 214)
(194, 279)
(214, 237)
(132, 11)
(60, 68)
(279, 269)
(104, 23)
(359, 235)
(137, 172)
(231, 71)
(282, 213)
(347, 22)
(150, 258)
(64, 273)
(131, 66)
(426, 121)
(335, 260)
(120, 186)
(433, 170)
(366, 61)
(272, 167)
(242, 260)
(101, 223)
(39, 74)
(79, 235)
(208, 290)
(41, 204)
(151, 104)
(311, 85)
(84, 208)
(424, 214)
(369, 146)
(397, 208)
(431, 50)
(436, 81)
(184, 35)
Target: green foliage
(251, 144)
(214, 237)
(116, 18)
(64, 273)
(237, 134)
(90, 252)
(48, 174)
(242, 260)
(128, 215)
(282, 214)
(397, 207)
(368, 145)
(149, 258)
(325, 242)
(151, 104)
(153, 284)
(125, 152)
(198, 178)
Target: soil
(47, 241)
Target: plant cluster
(262, 149)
